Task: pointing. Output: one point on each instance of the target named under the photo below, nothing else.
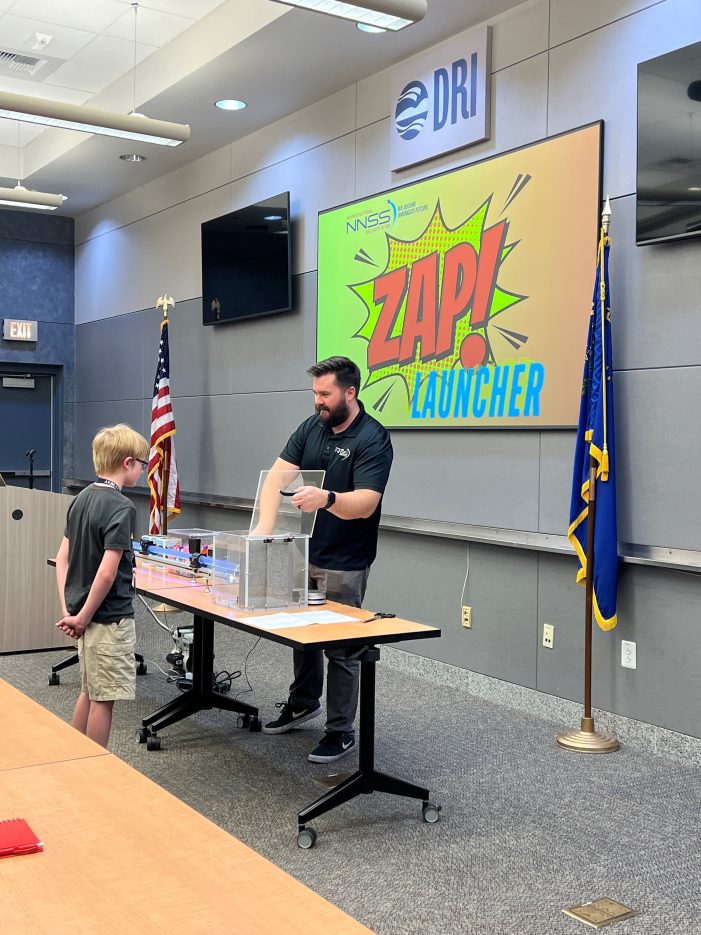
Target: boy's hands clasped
(72, 625)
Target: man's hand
(72, 625)
(308, 499)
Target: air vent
(28, 67)
(25, 64)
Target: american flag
(162, 455)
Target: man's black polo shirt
(358, 459)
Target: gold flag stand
(588, 739)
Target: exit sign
(14, 329)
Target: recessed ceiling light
(230, 105)
(366, 27)
(133, 157)
(273, 217)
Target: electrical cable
(244, 691)
(223, 680)
(464, 584)
(150, 662)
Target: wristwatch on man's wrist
(330, 500)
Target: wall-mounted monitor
(669, 146)
(247, 262)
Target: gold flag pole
(588, 739)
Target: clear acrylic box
(267, 566)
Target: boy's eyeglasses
(141, 462)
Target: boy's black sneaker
(333, 746)
(290, 717)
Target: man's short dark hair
(346, 372)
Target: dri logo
(342, 452)
(452, 97)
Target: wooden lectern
(32, 523)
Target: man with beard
(356, 453)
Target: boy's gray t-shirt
(100, 518)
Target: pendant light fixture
(385, 14)
(131, 126)
(21, 197)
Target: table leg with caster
(200, 697)
(366, 779)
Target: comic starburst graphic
(463, 339)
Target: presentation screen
(465, 297)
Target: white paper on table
(282, 620)
(274, 621)
(325, 616)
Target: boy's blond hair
(113, 444)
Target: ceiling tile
(100, 63)
(8, 133)
(94, 16)
(23, 86)
(16, 33)
(152, 27)
(196, 11)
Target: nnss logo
(451, 97)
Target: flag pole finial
(164, 301)
(606, 216)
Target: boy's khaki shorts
(106, 654)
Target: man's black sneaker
(290, 717)
(334, 745)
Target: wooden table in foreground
(122, 856)
(363, 635)
(29, 736)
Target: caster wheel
(255, 725)
(54, 679)
(431, 813)
(141, 668)
(306, 838)
(142, 735)
(153, 743)
(243, 721)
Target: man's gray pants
(346, 587)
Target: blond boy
(94, 576)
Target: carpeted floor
(526, 828)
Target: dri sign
(440, 99)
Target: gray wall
(239, 390)
(37, 277)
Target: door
(26, 437)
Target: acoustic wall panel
(658, 447)
(482, 477)
(90, 417)
(111, 357)
(572, 18)
(555, 481)
(594, 76)
(655, 297)
(423, 579)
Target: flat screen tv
(247, 262)
(669, 147)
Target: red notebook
(16, 837)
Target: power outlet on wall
(466, 616)
(628, 654)
(548, 635)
